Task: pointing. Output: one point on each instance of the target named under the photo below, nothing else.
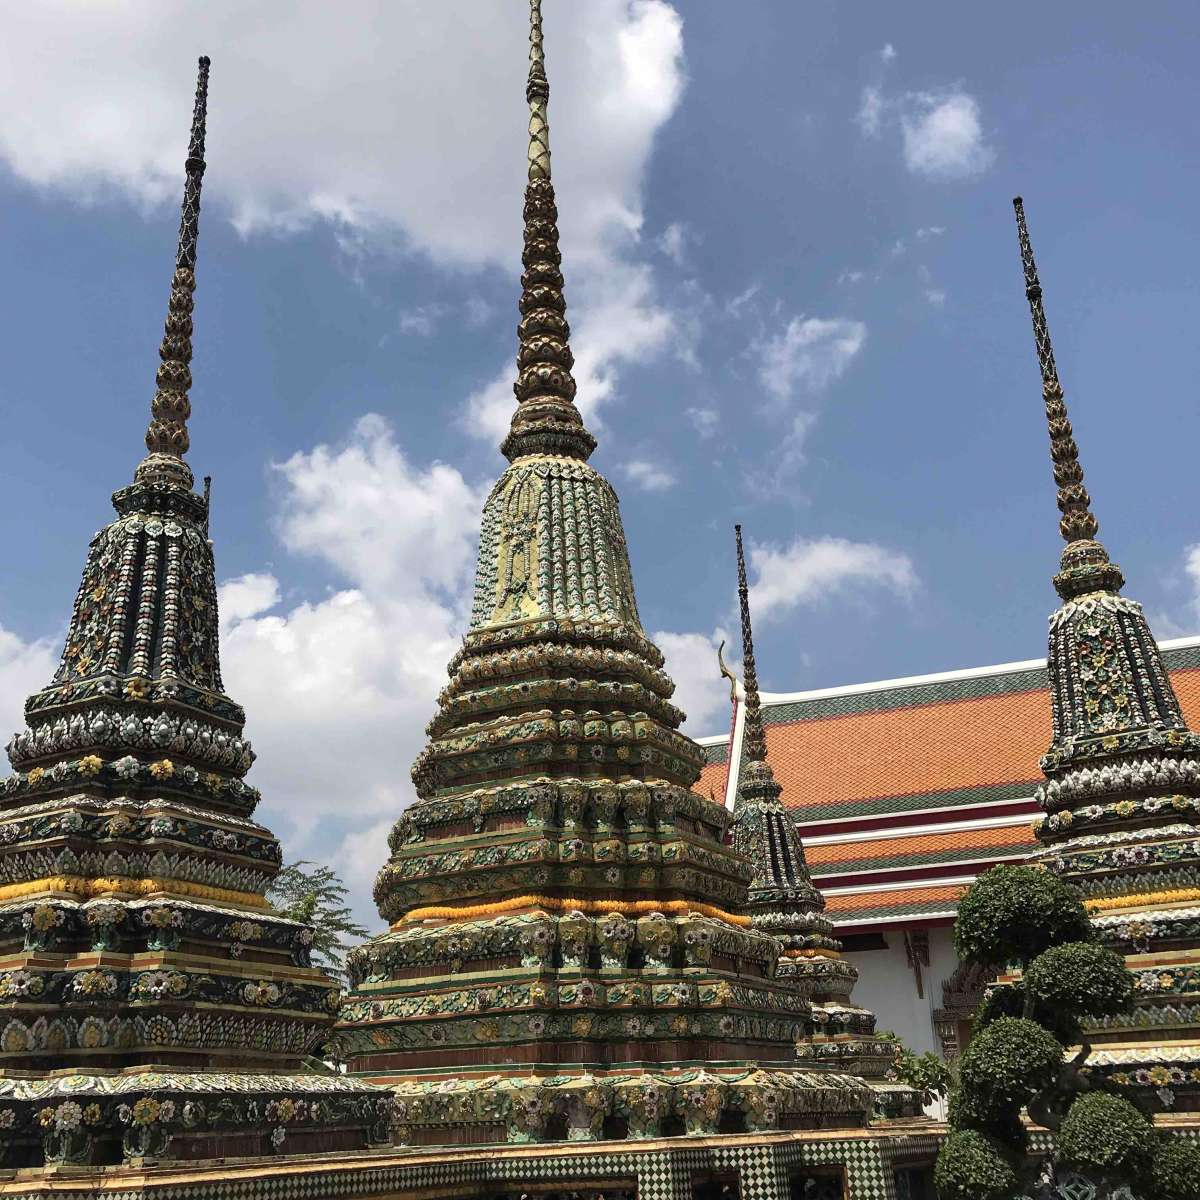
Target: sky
(793, 281)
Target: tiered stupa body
(1122, 791)
(568, 953)
(151, 1002)
(784, 903)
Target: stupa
(1122, 790)
(784, 903)
(569, 953)
(152, 1004)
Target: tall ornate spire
(546, 420)
(1085, 563)
(167, 435)
(755, 743)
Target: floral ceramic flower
(145, 1111)
(118, 824)
(163, 769)
(67, 1115)
(127, 767)
(43, 918)
(46, 1116)
(90, 764)
(8, 1118)
(278, 1134)
(92, 1114)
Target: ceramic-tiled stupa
(569, 954)
(152, 1004)
(1122, 791)
(784, 903)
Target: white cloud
(704, 420)
(936, 297)
(851, 277)
(699, 689)
(24, 668)
(673, 242)
(649, 476)
(888, 52)
(814, 569)
(338, 689)
(735, 305)
(941, 132)
(930, 231)
(870, 111)
(317, 114)
(943, 136)
(807, 354)
(423, 320)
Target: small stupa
(784, 902)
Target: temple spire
(167, 435)
(755, 742)
(546, 420)
(1085, 563)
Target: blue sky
(792, 273)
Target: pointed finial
(1085, 563)
(537, 93)
(546, 420)
(755, 741)
(167, 435)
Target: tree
(315, 895)
(1036, 921)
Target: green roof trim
(955, 798)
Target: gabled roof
(904, 790)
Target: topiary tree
(1026, 917)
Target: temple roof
(905, 789)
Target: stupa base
(140, 1116)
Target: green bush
(1014, 913)
(1106, 1133)
(1008, 1063)
(1175, 1171)
(1081, 978)
(968, 1111)
(1008, 1000)
(971, 1167)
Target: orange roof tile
(929, 845)
(901, 900)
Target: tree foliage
(1107, 1134)
(1012, 914)
(1081, 977)
(315, 895)
(1015, 1059)
(971, 1166)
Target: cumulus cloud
(338, 689)
(813, 569)
(649, 476)
(315, 116)
(941, 132)
(699, 689)
(808, 354)
(673, 242)
(24, 668)
(943, 137)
